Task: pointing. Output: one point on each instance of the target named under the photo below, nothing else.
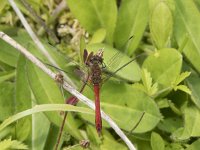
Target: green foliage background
(166, 83)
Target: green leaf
(52, 137)
(44, 108)
(112, 144)
(6, 99)
(126, 107)
(189, 18)
(98, 36)
(3, 5)
(132, 21)
(191, 124)
(22, 100)
(12, 144)
(194, 146)
(150, 88)
(174, 146)
(95, 14)
(187, 23)
(164, 64)
(182, 77)
(161, 25)
(93, 135)
(193, 83)
(157, 143)
(8, 54)
(174, 108)
(38, 138)
(162, 103)
(22, 90)
(183, 88)
(130, 73)
(6, 75)
(170, 125)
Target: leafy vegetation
(155, 99)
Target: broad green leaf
(187, 23)
(6, 132)
(112, 144)
(191, 124)
(98, 36)
(46, 91)
(23, 129)
(93, 135)
(194, 146)
(22, 90)
(107, 141)
(39, 121)
(157, 143)
(10, 30)
(95, 14)
(189, 18)
(6, 100)
(125, 104)
(164, 64)
(22, 99)
(12, 144)
(153, 4)
(174, 146)
(170, 124)
(193, 83)
(132, 21)
(130, 73)
(6, 75)
(161, 25)
(8, 54)
(52, 137)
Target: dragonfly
(95, 65)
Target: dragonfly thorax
(96, 62)
(95, 74)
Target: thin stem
(66, 86)
(65, 115)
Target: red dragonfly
(94, 63)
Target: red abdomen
(98, 120)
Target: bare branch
(67, 87)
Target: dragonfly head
(97, 58)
